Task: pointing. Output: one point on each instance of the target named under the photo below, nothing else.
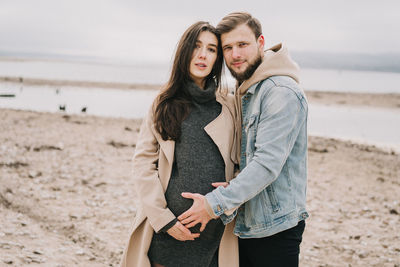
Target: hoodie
(276, 62)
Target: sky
(148, 31)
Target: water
(311, 79)
(350, 81)
(370, 125)
(377, 126)
(97, 101)
(73, 71)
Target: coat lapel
(221, 132)
(168, 148)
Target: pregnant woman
(184, 145)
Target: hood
(276, 61)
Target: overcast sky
(149, 30)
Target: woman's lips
(201, 65)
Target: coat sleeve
(146, 180)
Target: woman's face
(203, 57)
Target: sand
(66, 195)
(391, 101)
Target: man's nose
(235, 52)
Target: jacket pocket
(251, 123)
(254, 212)
(251, 133)
(272, 197)
(269, 194)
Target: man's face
(242, 51)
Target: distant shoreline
(89, 84)
(385, 100)
(378, 62)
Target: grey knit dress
(197, 164)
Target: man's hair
(232, 20)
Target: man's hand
(181, 233)
(197, 212)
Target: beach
(380, 100)
(78, 77)
(66, 194)
(387, 100)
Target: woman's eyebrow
(211, 44)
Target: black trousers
(279, 250)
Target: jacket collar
(252, 89)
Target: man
(269, 194)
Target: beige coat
(152, 165)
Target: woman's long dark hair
(174, 102)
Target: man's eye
(242, 44)
(226, 48)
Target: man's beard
(240, 77)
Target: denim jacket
(269, 194)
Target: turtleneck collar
(201, 95)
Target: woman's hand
(181, 233)
(224, 184)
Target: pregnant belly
(178, 204)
